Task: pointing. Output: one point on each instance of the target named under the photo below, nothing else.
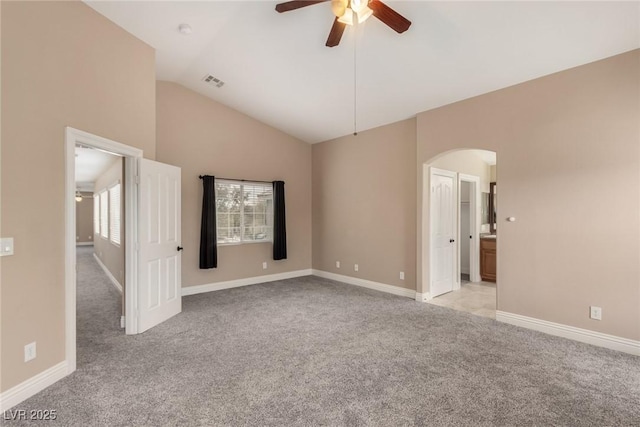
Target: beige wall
(568, 147)
(63, 64)
(364, 204)
(111, 255)
(84, 218)
(204, 137)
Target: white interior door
(443, 231)
(465, 239)
(159, 255)
(472, 224)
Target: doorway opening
(461, 234)
(99, 199)
(129, 157)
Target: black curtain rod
(241, 180)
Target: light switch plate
(30, 351)
(6, 246)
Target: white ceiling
(90, 164)
(277, 69)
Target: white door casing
(131, 156)
(444, 228)
(474, 223)
(159, 233)
(464, 239)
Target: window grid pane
(104, 214)
(244, 212)
(114, 214)
(96, 214)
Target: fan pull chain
(355, 85)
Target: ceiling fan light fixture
(364, 14)
(347, 17)
(357, 5)
(78, 196)
(339, 7)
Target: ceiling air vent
(213, 81)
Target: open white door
(443, 231)
(472, 238)
(159, 255)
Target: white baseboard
(123, 322)
(396, 290)
(33, 385)
(210, 287)
(577, 334)
(84, 243)
(108, 273)
(423, 297)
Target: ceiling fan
(349, 11)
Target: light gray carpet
(311, 351)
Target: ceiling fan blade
(335, 34)
(393, 19)
(293, 5)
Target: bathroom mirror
(493, 202)
(485, 208)
(489, 203)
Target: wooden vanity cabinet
(488, 269)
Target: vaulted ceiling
(277, 69)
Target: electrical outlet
(337, 264)
(402, 275)
(30, 351)
(595, 312)
(355, 267)
(264, 265)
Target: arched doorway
(459, 237)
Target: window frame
(242, 214)
(96, 215)
(104, 235)
(109, 190)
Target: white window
(114, 214)
(96, 214)
(104, 214)
(244, 212)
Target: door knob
(180, 248)
(451, 240)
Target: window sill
(249, 242)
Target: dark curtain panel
(208, 238)
(279, 222)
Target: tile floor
(475, 298)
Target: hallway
(98, 306)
